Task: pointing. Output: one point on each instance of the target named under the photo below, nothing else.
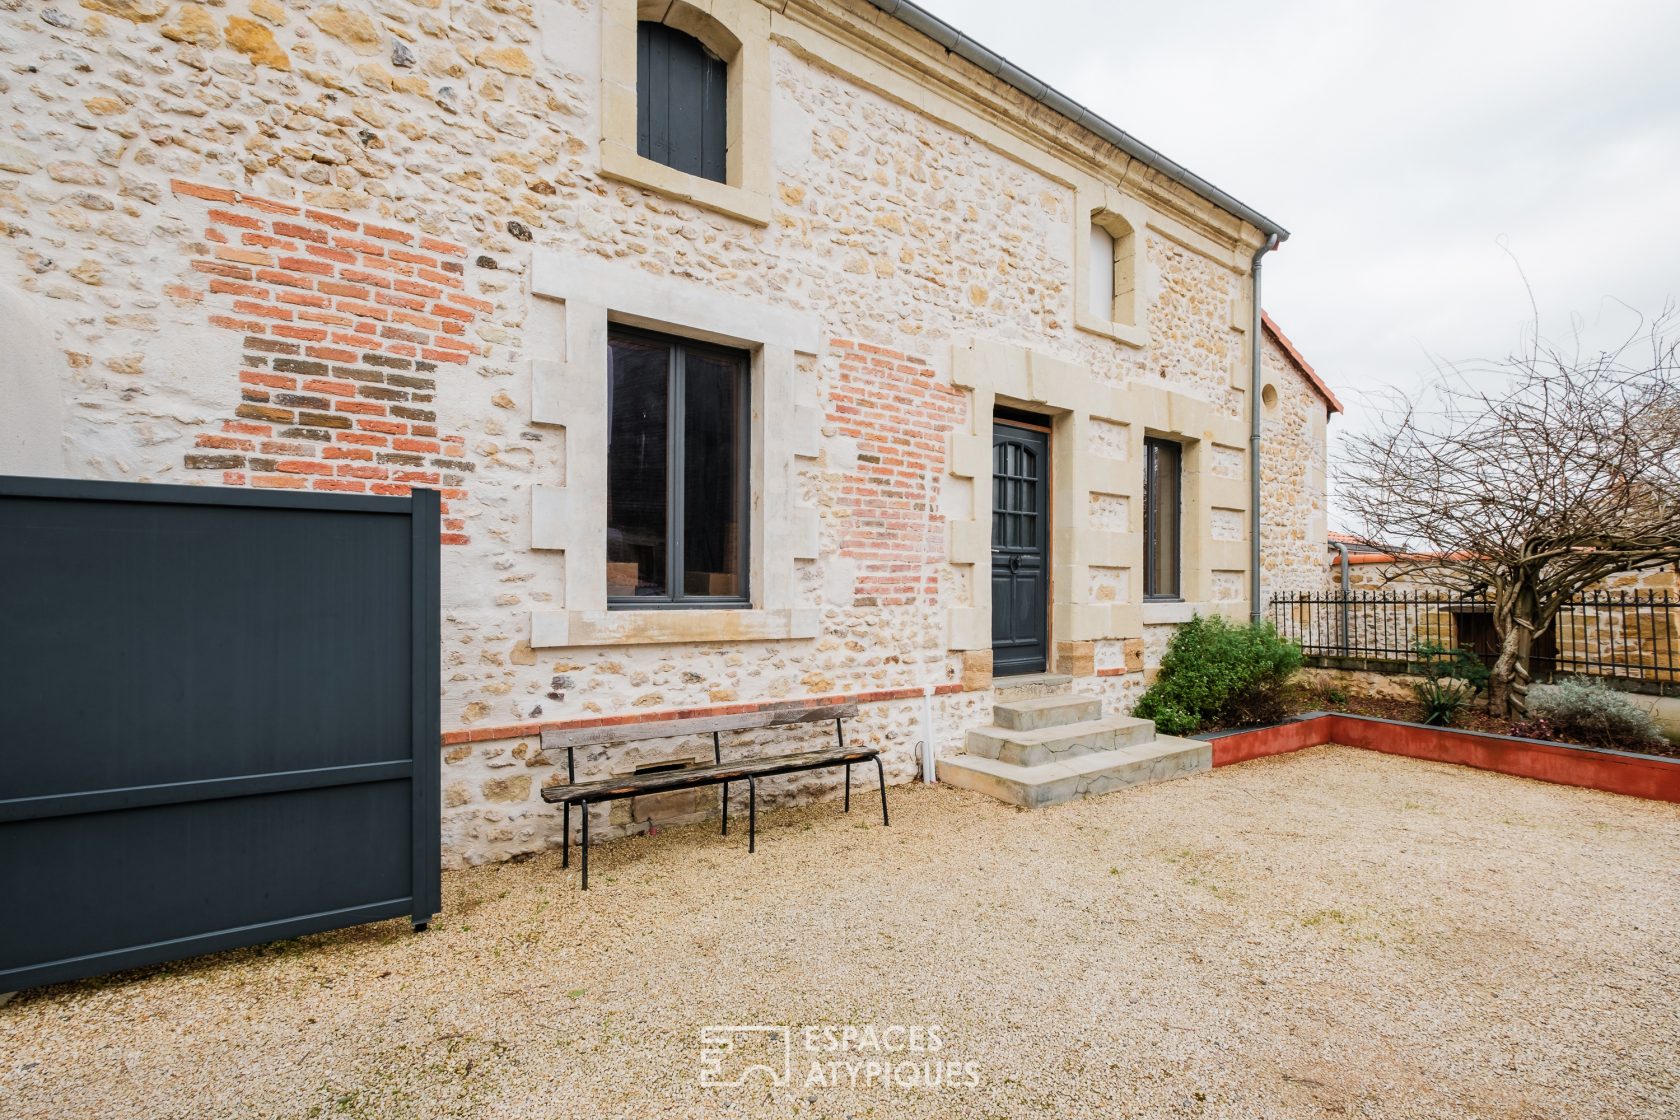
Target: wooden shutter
(681, 102)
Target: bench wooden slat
(561, 738)
(664, 781)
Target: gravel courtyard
(1334, 933)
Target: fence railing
(1630, 636)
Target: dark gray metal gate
(218, 719)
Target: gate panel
(221, 719)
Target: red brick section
(516, 730)
(1635, 775)
(899, 414)
(346, 325)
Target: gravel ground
(1333, 933)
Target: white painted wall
(32, 369)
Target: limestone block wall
(304, 245)
(1294, 476)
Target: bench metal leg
(848, 787)
(882, 776)
(565, 834)
(584, 846)
(726, 808)
(752, 816)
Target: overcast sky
(1411, 149)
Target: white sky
(1406, 147)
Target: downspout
(1254, 375)
(1347, 586)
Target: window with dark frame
(682, 102)
(1163, 486)
(676, 473)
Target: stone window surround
(738, 31)
(1001, 374)
(575, 299)
(1125, 219)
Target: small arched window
(682, 116)
(1113, 260)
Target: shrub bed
(1310, 698)
(1216, 674)
(1589, 712)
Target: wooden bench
(716, 773)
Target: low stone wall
(1664, 709)
(1387, 686)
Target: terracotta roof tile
(1331, 403)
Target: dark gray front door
(1020, 548)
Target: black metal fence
(1631, 637)
(220, 719)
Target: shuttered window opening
(682, 117)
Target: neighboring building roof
(1047, 95)
(1332, 405)
(1359, 552)
(1354, 544)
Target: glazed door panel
(1020, 549)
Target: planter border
(1636, 775)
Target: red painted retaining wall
(1615, 772)
(1279, 738)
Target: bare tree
(1528, 480)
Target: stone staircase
(1047, 745)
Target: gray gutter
(1256, 377)
(1051, 98)
(1347, 590)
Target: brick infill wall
(899, 414)
(345, 325)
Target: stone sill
(1124, 333)
(1161, 612)
(626, 166)
(552, 629)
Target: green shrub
(1451, 679)
(1588, 711)
(1216, 674)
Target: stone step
(1046, 711)
(1047, 744)
(1028, 685)
(1085, 775)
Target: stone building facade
(363, 247)
(1295, 411)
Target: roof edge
(1047, 95)
(1330, 402)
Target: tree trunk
(1508, 679)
